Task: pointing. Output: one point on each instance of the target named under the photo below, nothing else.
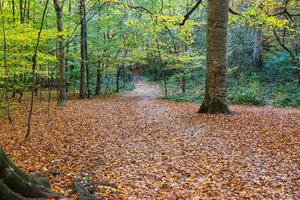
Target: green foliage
(125, 34)
(246, 92)
(288, 97)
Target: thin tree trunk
(24, 10)
(98, 81)
(13, 10)
(21, 11)
(28, 11)
(5, 70)
(62, 94)
(183, 86)
(258, 48)
(107, 85)
(49, 94)
(83, 68)
(165, 84)
(117, 80)
(216, 58)
(34, 64)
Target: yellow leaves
(261, 13)
(109, 1)
(273, 21)
(174, 20)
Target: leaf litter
(155, 149)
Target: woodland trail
(155, 149)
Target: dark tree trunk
(21, 11)
(155, 73)
(62, 95)
(13, 10)
(124, 78)
(16, 184)
(5, 70)
(98, 81)
(183, 86)
(28, 11)
(258, 48)
(83, 68)
(118, 80)
(34, 64)
(165, 84)
(216, 58)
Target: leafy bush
(192, 97)
(247, 93)
(288, 97)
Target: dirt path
(157, 149)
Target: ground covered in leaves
(155, 149)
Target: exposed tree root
(16, 184)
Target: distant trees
(168, 38)
(258, 47)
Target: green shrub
(288, 97)
(191, 97)
(247, 92)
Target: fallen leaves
(154, 149)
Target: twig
(34, 63)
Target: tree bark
(13, 10)
(62, 95)
(7, 103)
(216, 58)
(258, 48)
(83, 52)
(98, 81)
(21, 11)
(34, 64)
(16, 184)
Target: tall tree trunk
(24, 10)
(62, 96)
(5, 69)
(183, 84)
(165, 83)
(258, 48)
(13, 10)
(21, 11)
(68, 48)
(34, 64)
(98, 81)
(216, 58)
(117, 80)
(83, 68)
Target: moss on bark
(16, 184)
(216, 107)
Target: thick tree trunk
(16, 184)
(258, 48)
(62, 95)
(216, 58)
(83, 69)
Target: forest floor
(157, 149)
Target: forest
(149, 99)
